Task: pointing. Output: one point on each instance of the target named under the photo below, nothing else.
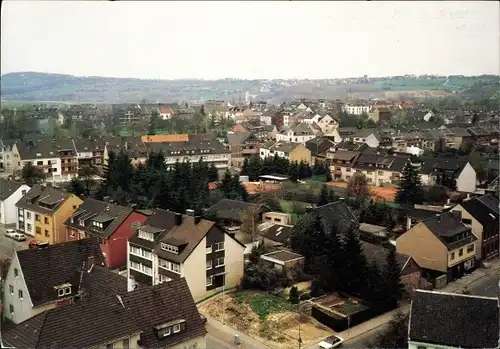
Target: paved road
(8, 245)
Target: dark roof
(415, 213)
(492, 202)
(279, 233)
(106, 319)
(111, 215)
(234, 209)
(195, 145)
(443, 163)
(187, 234)
(43, 199)
(98, 281)
(237, 138)
(7, 188)
(43, 148)
(56, 265)
(482, 212)
(454, 320)
(447, 227)
(378, 255)
(338, 216)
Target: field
(270, 319)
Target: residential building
(232, 213)
(379, 114)
(319, 147)
(341, 164)
(169, 246)
(110, 224)
(277, 218)
(287, 262)
(43, 154)
(243, 145)
(455, 173)
(190, 147)
(441, 244)
(462, 138)
(9, 156)
(46, 278)
(300, 133)
(295, 152)
(356, 108)
(481, 214)
(42, 211)
(484, 136)
(89, 151)
(453, 321)
(161, 316)
(132, 146)
(166, 113)
(411, 275)
(329, 126)
(10, 193)
(368, 136)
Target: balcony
(67, 156)
(251, 151)
(45, 166)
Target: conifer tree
(410, 188)
(394, 289)
(324, 195)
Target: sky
(261, 39)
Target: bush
(294, 295)
(305, 296)
(262, 276)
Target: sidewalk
(226, 334)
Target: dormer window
(98, 225)
(63, 290)
(170, 328)
(169, 248)
(145, 235)
(81, 222)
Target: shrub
(294, 295)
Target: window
(209, 281)
(126, 343)
(135, 250)
(47, 233)
(28, 215)
(176, 268)
(20, 294)
(11, 309)
(209, 249)
(37, 218)
(177, 328)
(219, 262)
(452, 256)
(466, 221)
(209, 264)
(11, 289)
(38, 230)
(163, 263)
(470, 248)
(64, 291)
(169, 248)
(146, 254)
(163, 279)
(71, 234)
(29, 228)
(135, 265)
(109, 346)
(219, 246)
(460, 252)
(164, 332)
(145, 235)
(16, 272)
(46, 220)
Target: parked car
(19, 237)
(37, 244)
(10, 233)
(331, 342)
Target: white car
(331, 342)
(10, 233)
(19, 237)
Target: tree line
(254, 167)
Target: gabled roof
(234, 209)
(337, 215)
(237, 138)
(483, 209)
(454, 320)
(442, 163)
(447, 226)
(39, 197)
(378, 255)
(107, 319)
(278, 233)
(92, 209)
(7, 188)
(56, 265)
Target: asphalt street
(8, 245)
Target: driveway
(8, 245)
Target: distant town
(360, 212)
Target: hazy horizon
(258, 40)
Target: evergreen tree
(245, 167)
(213, 173)
(334, 257)
(76, 187)
(293, 172)
(410, 188)
(353, 275)
(153, 122)
(294, 295)
(394, 289)
(324, 195)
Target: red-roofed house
(166, 113)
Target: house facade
(243, 145)
(110, 224)
(42, 211)
(300, 133)
(10, 193)
(451, 172)
(481, 214)
(295, 152)
(35, 283)
(170, 246)
(441, 244)
(368, 136)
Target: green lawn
(263, 304)
(287, 205)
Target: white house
(172, 245)
(368, 136)
(441, 320)
(449, 172)
(10, 193)
(356, 109)
(300, 133)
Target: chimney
(90, 262)
(178, 219)
(190, 212)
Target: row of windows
(19, 292)
(174, 267)
(218, 262)
(169, 248)
(470, 248)
(218, 246)
(141, 267)
(137, 251)
(145, 235)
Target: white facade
(466, 181)
(376, 177)
(221, 161)
(50, 166)
(17, 303)
(25, 221)
(290, 136)
(8, 210)
(266, 120)
(9, 158)
(266, 153)
(191, 269)
(371, 140)
(356, 109)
